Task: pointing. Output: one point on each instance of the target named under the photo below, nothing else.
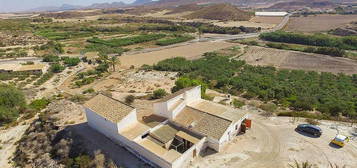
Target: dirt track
(273, 142)
(298, 60)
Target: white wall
(232, 132)
(102, 125)
(131, 118)
(161, 109)
(193, 94)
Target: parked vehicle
(310, 129)
(340, 140)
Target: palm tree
(114, 61)
(200, 33)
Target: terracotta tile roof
(173, 95)
(219, 110)
(202, 122)
(109, 108)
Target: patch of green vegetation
(127, 41)
(237, 103)
(51, 58)
(331, 94)
(59, 35)
(44, 78)
(164, 27)
(332, 51)
(12, 103)
(159, 93)
(174, 40)
(103, 49)
(71, 61)
(52, 47)
(57, 68)
(39, 104)
(348, 42)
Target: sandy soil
(8, 138)
(273, 142)
(298, 60)
(190, 51)
(245, 24)
(267, 19)
(318, 23)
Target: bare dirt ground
(245, 24)
(298, 60)
(319, 23)
(267, 19)
(273, 142)
(189, 51)
(8, 138)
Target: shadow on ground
(94, 141)
(306, 134)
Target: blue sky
(20, 5)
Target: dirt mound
(299, 4)
(221, 12)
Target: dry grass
(298, 60)
(318, 23)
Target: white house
(278, 14)
(188, 126)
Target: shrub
(237, 103)
(51, 58)
(90, 90)
(78, 98)
(129, 99)
(71, 61)
(12, 101)
(269, 107)
(56, 68)
(39, 104)
(159, 93)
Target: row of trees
(348, 42)
(299, 90)
(332, 51)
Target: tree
(12, 101)
(57, 68)
(114, 61)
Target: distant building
(34, 68)
(281, 14)
(182, 126)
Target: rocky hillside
(299, 4)
(221, 12)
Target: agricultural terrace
(300, 90)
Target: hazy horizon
(23, 5)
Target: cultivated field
(273, 142)
(319, 23)
(298, 60)
(190, 51)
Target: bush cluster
(126, 41)
(331, 94)
(348, 42)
